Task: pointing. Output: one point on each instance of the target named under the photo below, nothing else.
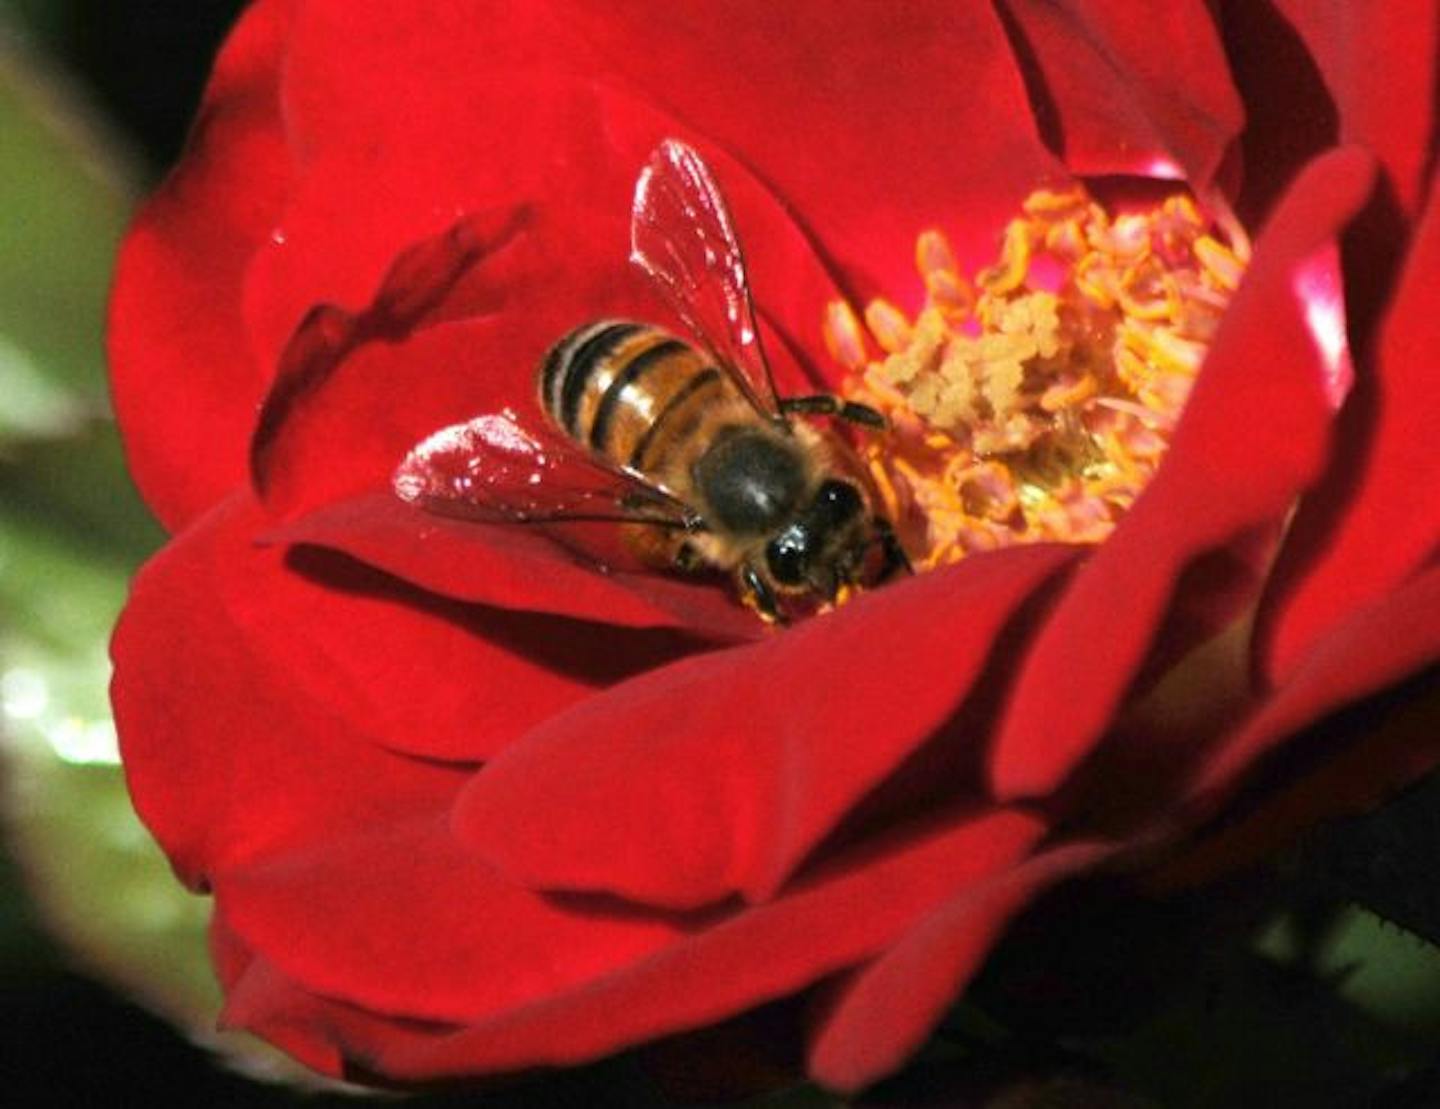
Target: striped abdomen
(630, 391)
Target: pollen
(1033, 400)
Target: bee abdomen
(624, 389)
(569, 370)
(634, 375)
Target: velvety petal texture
(1379, 492)
(473, 800)
(1252, 437)
(1148, 96)
(713, 967)
(701, 809)
(176, 325)
(1381, 67)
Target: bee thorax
(752, 480)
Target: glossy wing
(681, 235)
(494, 470)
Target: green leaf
(1387, 860)
(78, 486)
(1385, 972)
(35, 406)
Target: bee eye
(839, 500)
(785, 555)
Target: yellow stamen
(888, 324)
(1220, 262)
(946, 288)
(843, 338)
(1034, 402)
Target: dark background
(143, 61)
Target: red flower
(466, 806)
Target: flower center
(1033, 402)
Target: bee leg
(759, 595)
(895, 557)
(639, 503)
(827, 404)
(687, 558)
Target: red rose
(466, 805)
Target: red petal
(1130, 92)
(1376, 518)
(894, 118)
(430, 933)
(206, 727)
(1290, 118)
(1253, 435)
(875, 161)
(719, 969)
(243, 975)
(885, 1012)
(569, 175)
(722, 772)
(1374, 646)
(516, 568)
(355, 391)
(1380, 64)
(185, 385)
(249, 693)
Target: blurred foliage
(64, 212)
(142, 62)
(72, 530)
(38, 18)
(59, 587)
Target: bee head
(822, 546)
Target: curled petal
(1253, 437)
(514, 567)
(1375, 519)
(1377, 645)
(885, 1011)
(1383, 85)
(355, 390)
(1147, 95)
(570, 174)
(833, 921)
(700, 808)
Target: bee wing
(682, 237)
(493, 470)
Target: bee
(687, 444)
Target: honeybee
(687, 444)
